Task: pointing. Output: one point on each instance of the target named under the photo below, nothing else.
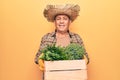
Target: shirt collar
(53, 34)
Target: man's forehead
(62, 15)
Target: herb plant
(71, 52)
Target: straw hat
(70, 10)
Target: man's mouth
(61, 25)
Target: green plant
(51, 52)
(71, 52)
(74, 51)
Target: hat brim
(51, 12)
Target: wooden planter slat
(65, 70)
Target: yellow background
(22, 25)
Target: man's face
(62, 23)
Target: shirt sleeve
(80, 41)
(43, 44)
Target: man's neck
(61, 33)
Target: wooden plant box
(65, 70)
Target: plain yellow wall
(22, 25)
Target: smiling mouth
(61, 25)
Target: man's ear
(54, 22)
(70, 22)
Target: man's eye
(57, 18)
(65, 18)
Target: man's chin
(62, 31)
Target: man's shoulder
(73, 34)
(48, 35)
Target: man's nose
(61, 21)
